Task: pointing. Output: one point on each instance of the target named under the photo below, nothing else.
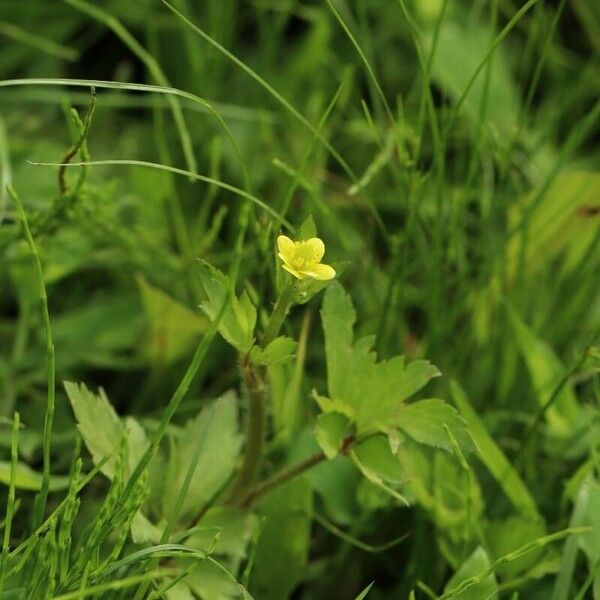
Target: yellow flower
(303, 259)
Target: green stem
(10, 504)
(282, 307)
(256, 430)
(50, 359)
(290, 472)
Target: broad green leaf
(217, 460)
(239, 318)
(172, 327)
(492, 456)
(424, 421)
(281, 349)
(99, 333)
(476, 564)
(234, 529)
(209, 582)
(547, 373)
(439, 483)
(461, 46)
(373, 392)
(28, 479)
(330, 431)
(507, 535)
(282, 550)
(143, 531)
(338, 318)
(375, 461)
(562, 221)
(180, 591)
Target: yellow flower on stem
(303, 259)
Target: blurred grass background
(467, 208)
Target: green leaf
(424, 421)
(217, 458)
(172, 327)
(547, 373)
(234, 529)
(180, 591)
(559, 223)
(210, 582)
(143, 531)
(375, 461)
(330, 431)
(590, 517)
(477, 563)
(281, 349)
(437, 480)
(372, 392)
(338, 318)
(308, 229)
(239, 318)
(364, 593)
(493, 458)
(507, 535)
(461, 45)
(102, 429)
(282, 550)
(28, 479)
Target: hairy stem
(255, 431)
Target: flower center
(303, 255)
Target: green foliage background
(447, 153)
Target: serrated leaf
(424, 421)
(239, 317)
(328, 405)
(281, 349)
(102, 429)
(330, 431)
(373, 391)
(217, 459)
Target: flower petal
(320, 272)
(286, 246)
(293, 271)
(317, 246)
